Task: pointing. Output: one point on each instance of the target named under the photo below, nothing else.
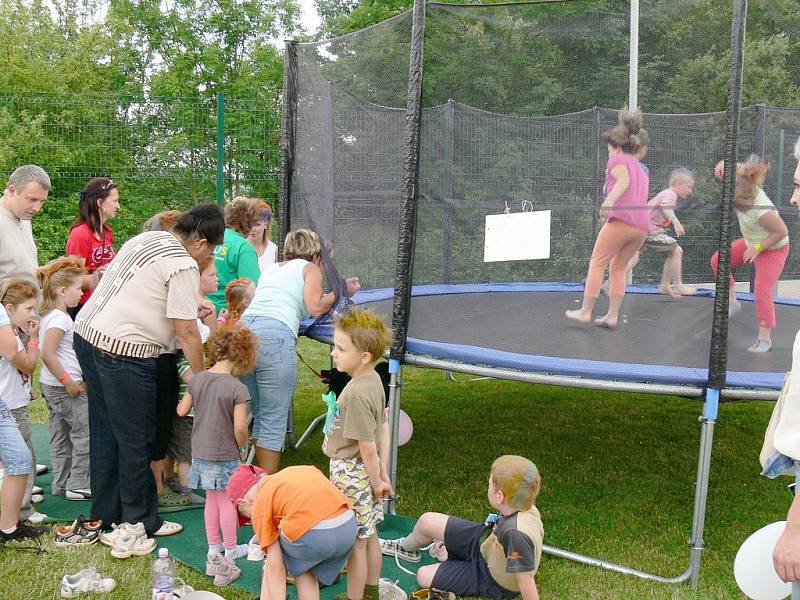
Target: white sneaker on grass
(41, 469)
(37, 498)
(126, 546)
(109, 537)
(37, 490)
(395, 548)
(86, 581)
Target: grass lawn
(618, 482)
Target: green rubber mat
(190, 545)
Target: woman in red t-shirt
(91, 239)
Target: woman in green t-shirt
(236, 257)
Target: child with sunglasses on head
(219, 439)
(61, 379)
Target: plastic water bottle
(163, 574)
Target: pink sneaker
(225, 570)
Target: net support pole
(633, 65)
(287, 141)
(220, 148)
(406, 239)
(717, 362)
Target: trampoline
(661, 345)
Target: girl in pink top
(91, 240)
(627, 220)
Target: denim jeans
(272, 382)
(14, 453)
(23, 419)
(122, 425)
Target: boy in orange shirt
(357, 442)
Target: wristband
(64, 378)
(758, 248)
(33, 345)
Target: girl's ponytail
(58, 273)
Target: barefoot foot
(606, 321)
(684, 290)
(578, 315)
(668, 291)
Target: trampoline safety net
(515, 99)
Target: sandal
(169, 501)
(169, 528)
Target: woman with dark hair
(91, 239)
(626, 220)
(236, 257)
(148, 298)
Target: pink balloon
(406, 428)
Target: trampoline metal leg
(394, 426)
(692, 573)
(309, 430)
(707, 422)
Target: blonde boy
(662, 215)
(358, 443)
(505, 563)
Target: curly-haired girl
(219, 437)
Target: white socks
(215, 549)
(238, 551)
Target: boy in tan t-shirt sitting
(497, 559)
(356, 440)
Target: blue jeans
(14, 452)
(122, 425)
(272, 382)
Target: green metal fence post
(220, 148)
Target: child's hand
(205, 309)
(382, 489)
(719, 170)
(605, 211)
(33, 329)
(353, 285)
(749, 254)
(679, 230)
(73, 388)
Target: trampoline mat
(673, 336)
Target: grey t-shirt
(361, 418)
(213, 396)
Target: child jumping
(357, 442)
(502, 566)
(19, 298)
(61, 378)
(219, 438)
(662, 215)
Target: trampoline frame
(404, 276)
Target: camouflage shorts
(350, 476)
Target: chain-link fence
(161, 153)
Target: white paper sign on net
(517, 236)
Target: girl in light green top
(765, 244)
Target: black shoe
(23, 532)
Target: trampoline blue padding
(521, 326)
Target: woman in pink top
(627, 220)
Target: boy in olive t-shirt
(356, 441)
